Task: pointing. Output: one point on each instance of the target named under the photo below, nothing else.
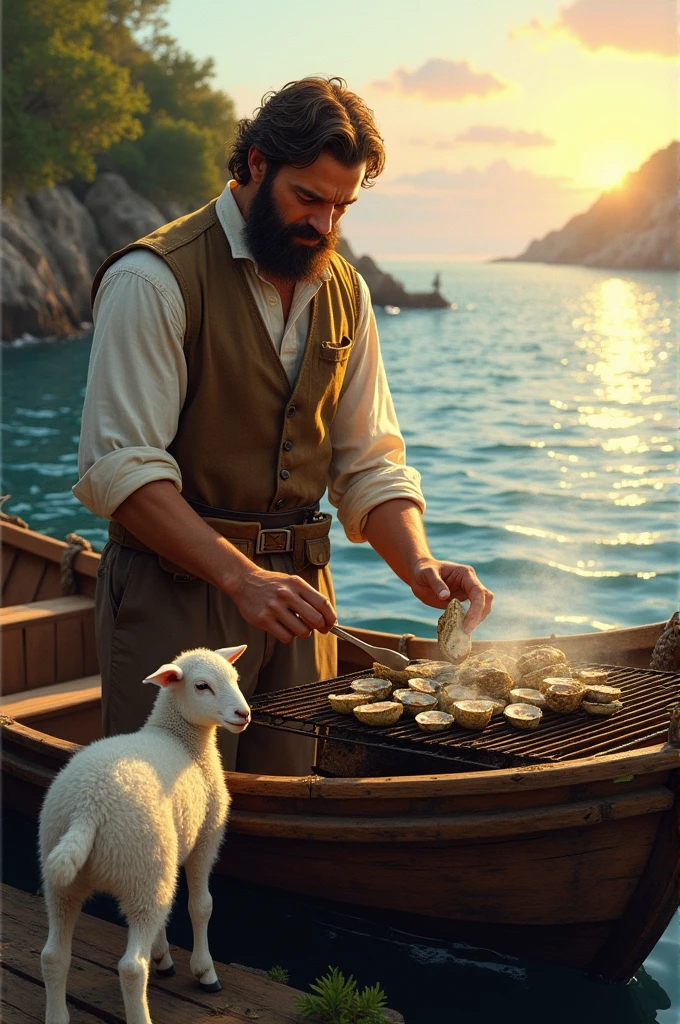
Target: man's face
(292, 224)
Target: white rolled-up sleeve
(368, 466)
(136, 384)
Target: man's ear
(165, 675)
(257, 164)
(232, 654)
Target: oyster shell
(526, 696)
(523, 716)
(434, 721)
(473, 714)
(394, 675)
(596, 708)
(385, 712)
(345, 703)
(454, 643)
(533, 680)
(414, 702)
(448, 695)
(429, 686)
(549, 680)
(425, 669)
(539, 657)
(564, 697)
(601, 694)
(592, 676)
(377, 689)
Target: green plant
(338, 1001)
(278, 973)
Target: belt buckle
(263, 546)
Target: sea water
(539, 410)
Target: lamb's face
(205, 688)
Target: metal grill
(647, 697)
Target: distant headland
(631, 227)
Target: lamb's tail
(69, 855)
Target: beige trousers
(145, 618)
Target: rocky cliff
(53, 241)
(630, 227)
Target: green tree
(63, 101)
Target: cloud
(490, 212)
(443, 80)
(498, 135)
(632, 26)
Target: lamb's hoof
(213, 987)
(167, 972)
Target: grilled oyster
(592, 676)
(425, 669)
(454, 643)
(523, 716)
(564, 697)
(601, 694)
(539, 657)
(473, 714)
(429, 686)
(345, 703)
(534, 680)
(385, 672)
(434, 721)
(525, 696)
(377, 689)
(549, 680)
(596, 708)
(414, 702)
(385, 712)
(448, 695)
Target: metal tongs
(382, 654)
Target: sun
(606, 165)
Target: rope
(67, 576)
(666, 653)
(5, 517)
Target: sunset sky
(502, 118)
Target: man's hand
(283, 605)
(436, 583)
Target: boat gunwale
(645, 761)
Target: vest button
(287, 445)
(280, 503)
(284, 474)
(291, 410)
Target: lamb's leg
(197, 869)
(55, 959)
(133, 968)
(160, 954)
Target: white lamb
(127, 811)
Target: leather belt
(308, 543)
(267, 520)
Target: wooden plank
(9, 556)
(13, 663)
(86, 562)
(24, 582)
(56, 609)
(23, 1001)
(93, 978)
(51, 583)
(90, 658)
(40, 654)
(55, 697)
(70, 654)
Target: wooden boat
(573, 863)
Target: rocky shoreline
(54, 240)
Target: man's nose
(322, 222)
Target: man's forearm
(158, 515)
(395, 530)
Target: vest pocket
(318, 551)
(336, 351)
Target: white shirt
(137, 381)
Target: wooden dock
(93, 989)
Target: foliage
(63, 101)
(99, 83)
(279, 974)
(338, 1001)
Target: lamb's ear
(232, 654)
(164, 675)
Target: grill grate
(647, 697)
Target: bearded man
(235, 375)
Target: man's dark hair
(302, 120)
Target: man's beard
(272, 243)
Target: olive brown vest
(245, 441)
